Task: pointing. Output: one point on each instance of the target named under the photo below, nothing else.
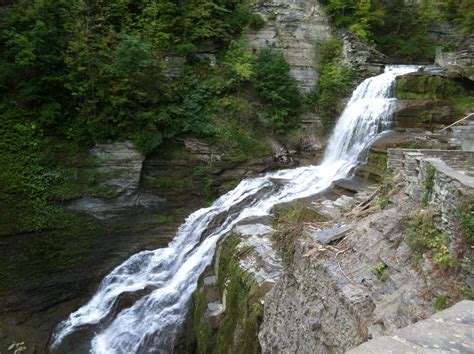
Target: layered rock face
(459, 62)
(294, 27)
(120, 164)
(332, 297)
(365, 60)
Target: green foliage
(429, 183)
(256, 21)
(466, 219)
(383, 202)
(165, 219)
(359, 16)
(423, 237)
(439, 302)
(288, 225)
(240, 134)
(334, 82)
(93, 71)
(147, 141)
(398, 28)
(380, 271)
(276, 87)
(461, 12)
(272, 16)
(237, 64)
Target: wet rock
(252, 230)
(210, 281)
(263, 262)
(215, 309)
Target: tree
(276, 87)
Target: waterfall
(167, 277)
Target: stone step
(448, 331)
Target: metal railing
(456, 122)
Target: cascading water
(170, 274)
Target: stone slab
(449, 331)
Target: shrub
(334, 81)
(439, 302)
(272, 16)
(256, 21)
(380, 271)
(424, 238)
(237, 64)
(466, 219)
(147, 141)
(429, 183)
(276, 87)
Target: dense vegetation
(78, 72)
(334, 84)
(400, 28)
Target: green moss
(201, 327)
(462, 105)
(238, 328)
(256, 21)
(272, 16)
(171, 150)
(429, 87)
(377, 160)
(165, 219)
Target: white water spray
(170, 274)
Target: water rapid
(170, 274)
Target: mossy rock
(235, 330)
(422, 86)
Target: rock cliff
(294, 27)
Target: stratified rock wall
(294, 27)
(459, 62)
(331, 299)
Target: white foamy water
(152, 323)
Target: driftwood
(364, 204)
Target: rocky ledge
(449, 331)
